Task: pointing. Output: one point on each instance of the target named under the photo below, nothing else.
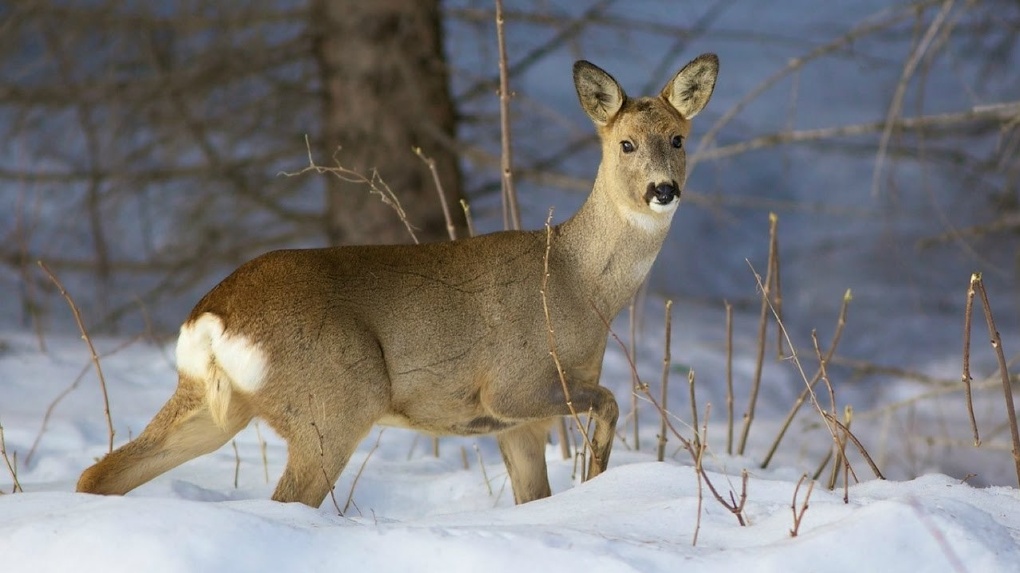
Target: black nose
(663, 193)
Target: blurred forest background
(143, 145)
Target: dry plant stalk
(763, 318)
(666, 361)
(551, 340)
(451, 230)
(896, 105)
(263, 446)
(831, 423)
(694, 406)
(729, 378)
(467, 217)
(798, 514)
(837, 335)
(511, 214)
(375, 184)
(12, 466)
(92, 350)
(967, 313)
(632, 324)
(978, 285)
(732, 505)
(65, 392)
(481, 465)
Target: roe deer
(445, 338)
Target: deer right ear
(601, 96)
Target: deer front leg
(549, 401)
(523, 450)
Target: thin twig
(451, 230)
(967, 313)
(832, 424)
(762, 326)
(551, 337)
(92, 349)
(694, 405)
(634, 418)
(361, 468)
(467, 217)
(798, 515)
(511, 214)
(979, 286)
(729, 378)
(481, 465)
(840, 324)
(322, 455)
(375, 184)
(896, 106)
(263, 446)
(11, 466)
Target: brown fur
(446, 338)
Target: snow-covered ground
(411, 511)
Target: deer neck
(610, 247)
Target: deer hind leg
(182, 430)
(324, 426)
(523, 450)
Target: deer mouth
(662, 194)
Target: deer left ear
(692, 86)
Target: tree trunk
(386, 91)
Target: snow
(411, 511)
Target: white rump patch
(204, 346)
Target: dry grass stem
(237, 462)
(511, 214)
(481, 465)
(763, 318)
(92, 350)
(666, 362)
(798, 514)
(979, 286)
(12, 465)
(361, 468)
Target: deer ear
(601, 96)
(692, 86)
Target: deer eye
(677, 141)
(627, 146)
